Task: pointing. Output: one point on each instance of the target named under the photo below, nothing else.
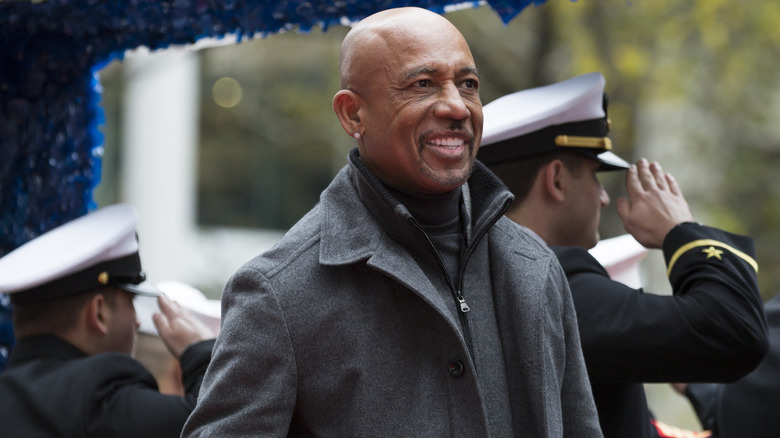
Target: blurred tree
(266, 156)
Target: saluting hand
(178, 328)
(654, 206)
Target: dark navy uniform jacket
(749, 407)
(50, 388)
(712, 329)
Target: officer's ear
(98, 314)
(554, 178)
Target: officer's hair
(55, 316)
(519, 175)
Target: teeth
(450, 141)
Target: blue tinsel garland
(49, 93)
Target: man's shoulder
(573, 254)
(519, 255)
(337, 230)
(108, 364)
(521, 239)
(299, 238)
(575, 259)
(86, 373)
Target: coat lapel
(350, 234)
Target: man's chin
(448, 180)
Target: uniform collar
(43, 346)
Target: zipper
(469, 250)
(463, 307)
(462, 301)
(456, 293)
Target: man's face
(581, 224)
(420, 108)
(123, 324)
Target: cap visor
(610, 161)
(145, 288)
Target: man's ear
(346, 104)
(555, 178)
(98, 314)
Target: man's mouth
(449, 146)
(447, 142)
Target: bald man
(404, 303)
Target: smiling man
(404, 303)
(417, 96)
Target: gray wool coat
(347, 328)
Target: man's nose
(451, 104)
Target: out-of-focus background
(221, 147)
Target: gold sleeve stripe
(709, 242)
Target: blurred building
(220, 148)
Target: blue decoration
(6, 330)
(51, 51)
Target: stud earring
(356, 135)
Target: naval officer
(71, 373)
(548, 145)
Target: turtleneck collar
(433, 210)
(481, 201)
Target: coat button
(455, 368)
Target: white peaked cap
(93, 251)
(573, 100)
(569, 114)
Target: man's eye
(423, 83)
(470, 83)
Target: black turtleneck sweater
(439, 215)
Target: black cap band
(543, 142)
(125, 269)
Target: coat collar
(360, 215)
(361, 221)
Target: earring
(356, 135)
